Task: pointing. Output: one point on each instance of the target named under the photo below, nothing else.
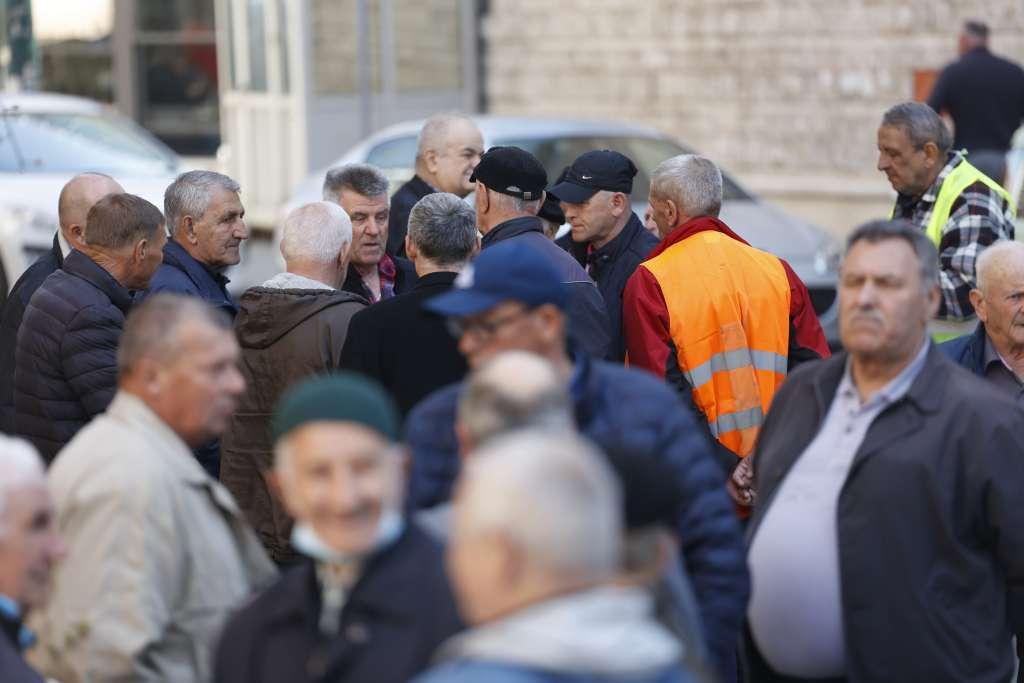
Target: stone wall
(786, 94)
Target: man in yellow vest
(960, 209)
(720, 320)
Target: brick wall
(787, 94)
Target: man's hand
(741, 484)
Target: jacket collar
(132, 410)
(613, 249)
(511, 228)
(420, 187)
(202, 277)
(444, 278)
(58, 248)
(82, 266)
(383, 586)
(691, 228)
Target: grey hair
(363, 179)
(435, 130)
(881, 230)
(152, 329)
(510, 204)
(317, 232)
(993, 255)
(921, 124)
(20, 464)
(553, 495)
(191, 192)
(514, 390)
(443, 228)
(692, 182)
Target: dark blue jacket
(633, 410)
(968, 351)
(611, 266)
(182, 274)
(66, 357)
(394, 618)
(588, 324)
(14, 311)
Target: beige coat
(158, 555)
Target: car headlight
(827, 257)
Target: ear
(140, 250)
(476, 248)
(934, 299)
(978, 301)
(673, 213)
(76, 235)
(932, 153)
(188, 230)
(430, 160)
(618, 204)
(483, 198)
(411, 252)
(343, 256)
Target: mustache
(868, 316)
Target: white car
(812, 252)
(45, 139)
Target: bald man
(76, 198)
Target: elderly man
(727, 350)
(536, 542)
(960, 209)
(293, 325)
(514, 299)
(890, 542)
(76, 198)
(362, 191)
(984, 96)
(373, 603)
(509, 192)
(610, 238)
(449, 149)
(159, 553)
(398, 343)
(29, 549)
(995, 350)
(65, 361)
(205, 219)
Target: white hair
(995, 255)
(435, 131)
(692, 182)
(190, 195)
(510, 204)
(317, 232)
(20, 465)
(553, 495)
(514, 390)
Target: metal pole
(364, 72)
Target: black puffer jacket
(66, 355)
(286, 335)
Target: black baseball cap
(512, 171)
(600, 169)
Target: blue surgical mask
(306, 541)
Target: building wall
(786, 94)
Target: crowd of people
(443, 446)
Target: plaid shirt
(978, 218)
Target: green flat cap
(341, 397)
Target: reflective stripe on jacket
(713, 315)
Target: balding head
(450, 145)
(513, 390)
(76, 198)
(999, 297)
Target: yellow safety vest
(958, 180)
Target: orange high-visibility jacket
(714, 315)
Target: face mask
(305, 540)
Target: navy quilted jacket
(636, 411)
(66, 354)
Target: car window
(396, 158)
(646, 153)
(72, 143)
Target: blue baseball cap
(508, 271)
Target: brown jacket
(286, 334)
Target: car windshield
(646, 153)
(73, 143)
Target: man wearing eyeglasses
(512, 298)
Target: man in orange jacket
(722, 321)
